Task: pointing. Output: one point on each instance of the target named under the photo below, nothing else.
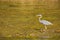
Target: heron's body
(44, 22)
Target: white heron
(44, 22)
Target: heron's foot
(42, 30)
(45, 30)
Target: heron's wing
(46, 22)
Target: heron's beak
(38, 15)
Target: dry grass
(19, 20)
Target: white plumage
(45, 22)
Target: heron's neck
(40, 18)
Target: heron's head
(39, 15)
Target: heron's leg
(45, 27)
